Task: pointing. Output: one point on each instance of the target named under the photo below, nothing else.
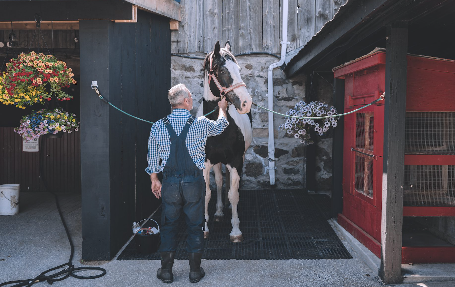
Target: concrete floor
(34, 240)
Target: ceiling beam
(45, 25)
(66, 10)
(167, 8)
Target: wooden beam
(65, 10)
(167, 8)
(174, 25)
(366, 239)
(356, 12)
(394, 143)
(426, 159)
(95, 170)
(433, 254)
(45, 25)
(133, 16)
(337, 149)
(426, 211)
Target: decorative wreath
(298, 126)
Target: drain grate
(276, 225)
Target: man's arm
(154, 166)
(215, 128)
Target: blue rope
(107, 102)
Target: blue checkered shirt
(159, 144)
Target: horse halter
(223, 90)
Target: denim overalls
(183, 188)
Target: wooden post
(95, 176)
(311, 150)
(337, 150)
(393, 170)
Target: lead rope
(284, 115)
(109, 103)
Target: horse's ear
(216, 51)
(228, 46)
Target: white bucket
(9, 199)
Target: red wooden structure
(429, 187)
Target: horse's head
(223, 77)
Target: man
(178, 141)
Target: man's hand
(223, 104)
(156, 185)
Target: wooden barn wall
(131, 63)
(60, 158)
(140, 79)
(43, 40)
(60, 163)
(250, 25)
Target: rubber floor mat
(276, 225)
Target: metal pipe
(284, 43)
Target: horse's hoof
(218, 218)
(236, 238)
(206, 234)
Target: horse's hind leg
(208, 195)
(236, 234)
(219, 188)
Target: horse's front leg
(208, 195)
(219, 185)
(236, 234)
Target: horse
(222, 79)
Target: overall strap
(186, 128)
(170, 130)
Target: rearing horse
(222, 79)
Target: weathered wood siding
(60, 163)
(45, 39)
(250, 25)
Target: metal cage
(430, 133)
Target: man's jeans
(187, 193)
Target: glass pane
(371, 134)
(360, 130)
(359, 173)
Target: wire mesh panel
(430, 133)
(429, 185)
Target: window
(364, 145)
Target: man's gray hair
(177, 93)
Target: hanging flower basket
(300, 127)
(34, 78)
(46, 122)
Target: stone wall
(289, 152)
